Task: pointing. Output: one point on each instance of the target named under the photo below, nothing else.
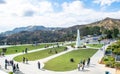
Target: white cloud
(105, 2)
(18, 7)
(12, 14)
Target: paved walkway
(32, 68)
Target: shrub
(108, 64)
(71, 60)
(10, 72)
(105, 59)
(117, 65)
(113, 65)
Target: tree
(115, 32)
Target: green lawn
(13, 49)
(95, 45)
(62, 63)
(39, 54)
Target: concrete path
(31, 68)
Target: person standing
(26, 60)
(14, 68)
(23, 51)
(38, 65)
(88, 62)
(5, 65)
(6, 62)
(12, 62)
(26, 50)
(83, 65)
(78, 66)
(23, 59)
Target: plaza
(59, 37)
(31, 67)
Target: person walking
(17, 67)
(38, 65)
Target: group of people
(82, 64)
(8, 63)
(25, 51)
(15, 67)
(25, 60)
(51, 51)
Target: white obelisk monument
(78, 39)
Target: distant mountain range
(28, 28)
(108, 23)
(40, 34)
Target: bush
(71, 60)
(113, 65)
(84, 46)
(109, 61)
(108, 64)
(117, 65)
(10, 72)
(73, 46)
(105, 59)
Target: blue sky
(55, 13)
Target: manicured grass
(39, 54)
(62, 63)
(13, 49)
(95, 45)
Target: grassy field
(17, 49)
(39, 54)
(62, 63)
(95, 45)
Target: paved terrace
(32, 67)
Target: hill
(107, 23)
(28, 28)
(40, 34)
